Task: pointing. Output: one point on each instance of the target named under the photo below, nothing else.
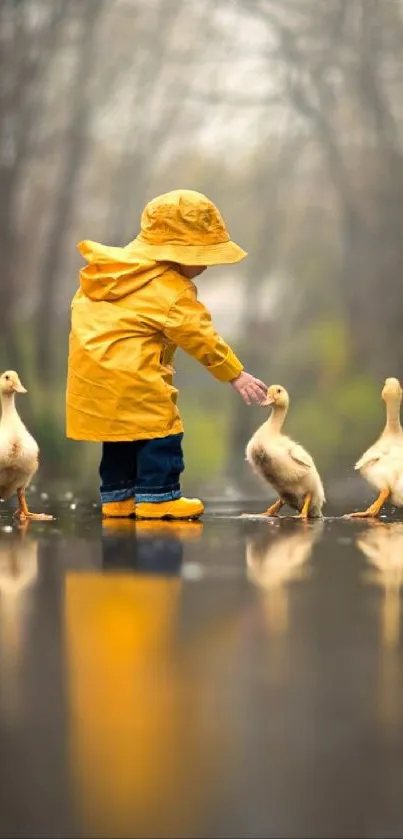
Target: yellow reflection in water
(274, 561)
(382, 544)
(141, 745)
(119, 632)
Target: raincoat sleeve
(189, 326)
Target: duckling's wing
(300, 455)
(369, 457)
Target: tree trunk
(70, 170)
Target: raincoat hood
(113, 273)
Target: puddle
(157, 678)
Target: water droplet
(68, 495)
(7, 529)
(73, 506)
(192, 571)
(44, 496)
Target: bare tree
(86, 17)
(342, 74)
(155, 102)
(27, 38)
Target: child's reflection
(151, 547)
(132, 734)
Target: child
(135, 306)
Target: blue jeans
(147, 470)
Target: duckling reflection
(274, 561)
(382, 544)
(18, 571)
(151, 547)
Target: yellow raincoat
(128, 317)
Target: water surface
(232, 677)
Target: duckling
(18, 450)
(382, 464)
(285, 464)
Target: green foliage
(328, 343)
(317, 426)
(205, 441)
(338, 424)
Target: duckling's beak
(270, 400)
(19, 388)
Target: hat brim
(225, 253)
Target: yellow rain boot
(181, 508)
(119, 509)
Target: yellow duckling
(285, 464)
(18, 450)
(382, 464)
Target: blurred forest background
(289, 115)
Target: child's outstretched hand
(251, 389)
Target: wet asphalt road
(236, 677)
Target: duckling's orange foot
(274, 509)
(40, 517)
(305, 509)
(374, 509)
(271, 512)
(23, 513)
(259, 513)
(366, 514)
(23, 517)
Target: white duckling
(382, 464)
(285, 464)
(18, 450)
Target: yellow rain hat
(185, 227)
